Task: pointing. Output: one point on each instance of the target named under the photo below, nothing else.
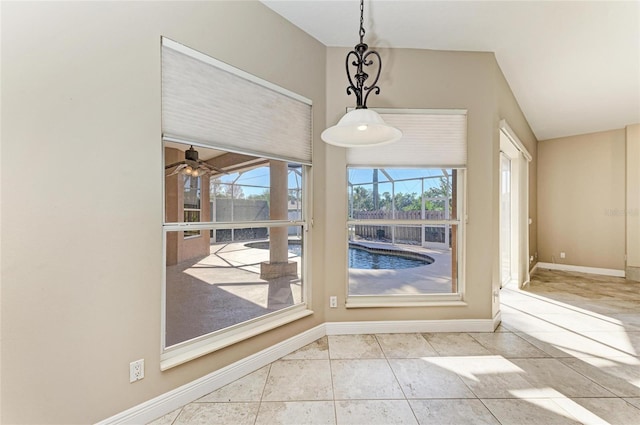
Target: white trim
(174, 399)
(497, 319)
(508, 131)
(168, 402)
(182, 353)
(580, 269)
(425, 300)
(419, 111)
(409, 326)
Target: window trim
(456, 299)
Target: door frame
(520, 157)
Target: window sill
(177, 355)
(394, 301)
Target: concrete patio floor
(223, 289)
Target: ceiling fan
(192, 166)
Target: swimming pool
(366, 259)
(361, 258)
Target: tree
(362, 199)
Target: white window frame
(418, 300)
(188, 350)
(175, 130)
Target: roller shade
(208, 102)
(429, 138)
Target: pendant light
(361, 126)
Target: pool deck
(225, 288)
(428, 279)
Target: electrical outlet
(562, 255)
(136, 370)
(333, 301)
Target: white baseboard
(168, 402)
(497, 319)
(409, 326)
(580, 269)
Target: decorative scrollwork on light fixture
(361, 126)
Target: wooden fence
(403, 234)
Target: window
(406, 215)
(403, 231)
(236, 230)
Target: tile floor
(565, 353)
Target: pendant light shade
(361, 127)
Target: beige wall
(81, 275)
(633, 201)
(581, 200)
(509, 110)
(85, 77)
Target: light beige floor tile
(601, 411)
(420, 378)
(247, 388)
(374, 412)
(317, 350)
(167, 419)
(452, 412)
(354, 347)
(558, 378)
(630, 321)
(455, 344)
(517, 321)
(291, 380)
(364, 379)
(296, 413)
(507, 344)
(634, 401)
(405, 346)
(218, 414)
(578, 322)
(621, 376)
(570, 344)
(625, 341)
(486, 376)
(529, 412)
(501, 328)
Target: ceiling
(573, 66)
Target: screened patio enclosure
(402, 194)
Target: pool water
(360, 258)
(363, 259)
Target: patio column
(278, 265)
(278, 243)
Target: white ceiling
(574, 66)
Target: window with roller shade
(406, 213)
(235, 237)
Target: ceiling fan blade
(211, 168)
(166, 167)
(179, 168)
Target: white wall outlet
(136, 370)
(333, 301)
(562, 255)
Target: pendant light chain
(361, 21)
(361, 59)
